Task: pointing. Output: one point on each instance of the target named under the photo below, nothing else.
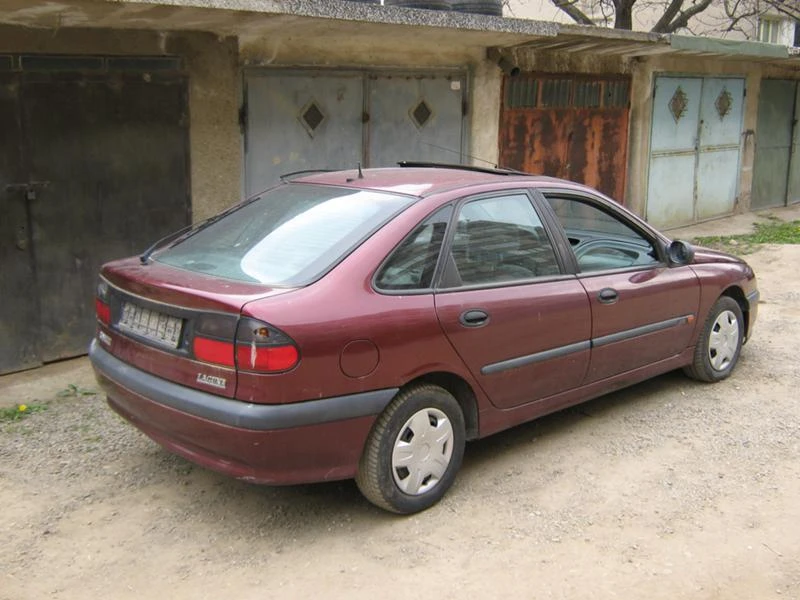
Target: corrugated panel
(556, 93)
(522, 92)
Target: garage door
(776, 172)
(694, 149)
(94, 167)
(570, 127)
(297, 120)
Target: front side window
(600, 240)
(290, 236)
(501, 239)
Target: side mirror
(680, 253)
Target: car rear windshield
(290, 236)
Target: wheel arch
(461, 390)
(737, 294)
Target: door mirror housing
(680, 253)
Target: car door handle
(473, 318)
(608, 296)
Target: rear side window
(290, 236)
(501, 239)
(411, 266)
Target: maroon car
(367, 324)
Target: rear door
(642, 310)
(519, 324)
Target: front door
(642, 311)
(521, 327)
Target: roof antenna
(360, 174)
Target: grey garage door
(694, 149)
(93, 166)
(297, 120)
(776, 173)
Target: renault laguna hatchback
(366, 324)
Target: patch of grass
(20, 411)
(774, 231)
(72, 391)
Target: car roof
(422, 181)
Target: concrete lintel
(735, 48)
(233, 17)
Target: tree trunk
(623, 18)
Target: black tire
(381, 481)
(720, 342)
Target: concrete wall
(211, 63)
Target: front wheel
(720, 342)
(414, 450)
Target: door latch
(29, 188)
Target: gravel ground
(669, 489)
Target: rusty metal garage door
(296, 120)
(776, 173)
(694, 149)
(570, 127)
(93, 166)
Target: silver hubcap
(422, 451)
(724, 340)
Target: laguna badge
(213, 381)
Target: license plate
(151, 324)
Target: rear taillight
(101, 306)
(213, 351)
(213, 339)
(249, 345)
(264, 349)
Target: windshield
(290, 236)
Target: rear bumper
(301, 442)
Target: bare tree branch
(672, 10)
(575, 13)
(726, 16)
(682, 20)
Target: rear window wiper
(190, 230)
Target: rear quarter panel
(342, 307)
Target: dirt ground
(670, 489)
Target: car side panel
(535, 342)
(653, 318)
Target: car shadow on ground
(562, 423)
(314, 509)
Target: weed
(20, 411)
(773, 231)
(72, 391)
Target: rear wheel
(720, 342)
(414, 450)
